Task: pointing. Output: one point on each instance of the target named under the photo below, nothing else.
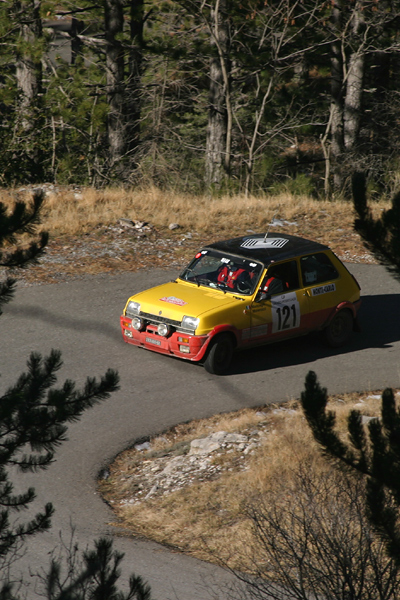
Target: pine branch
(34, 413)
(95, 576)
(24, 218)
(10, 536)
(23, 257)
(383, 513)
(322, 422)
(7, 290)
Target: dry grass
(73, 212)
(206, 519)
(85, 237)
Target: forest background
(226, 96)
(238, 97)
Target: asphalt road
(81, 318)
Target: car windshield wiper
(199, 279)
(211, 283)
(194, 275)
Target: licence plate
(155, 342)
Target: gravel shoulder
(120, 247)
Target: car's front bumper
(183, 345)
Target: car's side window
(317, 268)
(281, 278)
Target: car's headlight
(137, 323)
(164, 330)
(133, 308)
(190, 322)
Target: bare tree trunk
(29, 82)
(346, 88)
(28, 67)
(114, 20)
(218, 140)
(354, 88)
(250, 159)
(336, 113)
(133, 92)
(28, 70)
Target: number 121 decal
(285, 312)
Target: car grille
(159, 319)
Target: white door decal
(285, 312)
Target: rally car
(247, 291)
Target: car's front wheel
(219, 355)
(339, 329)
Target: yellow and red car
(243, 292)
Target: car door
(322, 286)
(280, 308)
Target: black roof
(268, 248)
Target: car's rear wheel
(339, 329)
(219, 355)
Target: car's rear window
(317, 268)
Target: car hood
(174, 300)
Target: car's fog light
(137, 323)
(128, 333)
(184, 349)
(163, 329)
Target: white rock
(173, 465)
(126, 223)
(152, 491)
(203, 446)
(144, 446)
(249, 449)
(365, 420)
(235, 438)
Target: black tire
(219, 355)
(339, 329)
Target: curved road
(81, 318)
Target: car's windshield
(223, 271)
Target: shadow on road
(380, 328)
(58, 320)
(379, 320)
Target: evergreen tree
(23, 219)
(375, 455)
(92, 577)
(34, 415)
(21, 90)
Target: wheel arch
(217, 358)
(349, 306)
(224, 329)
(213, 334)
